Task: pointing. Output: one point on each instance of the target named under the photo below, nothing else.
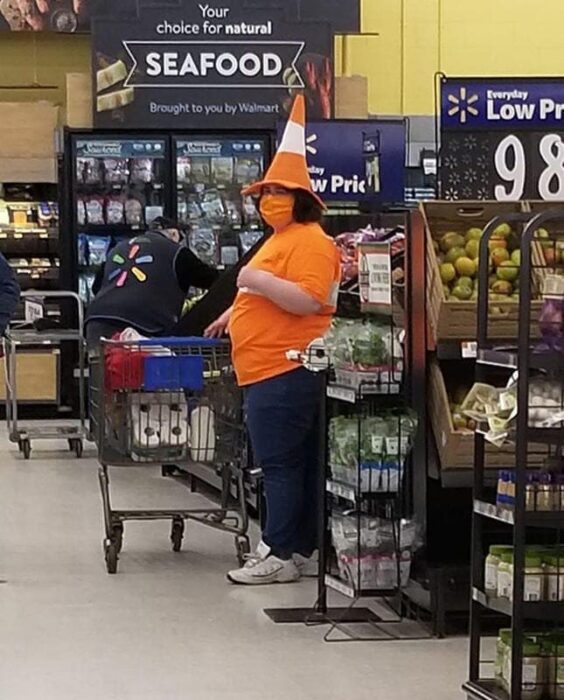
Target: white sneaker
(262, 568)
(307, 566)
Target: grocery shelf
(552, 611)
(457, 350)
(497, 358)
(533, 518)
(546, 436)
(350, 493)
(486, 689)
(349, 394)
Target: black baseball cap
(162, 223)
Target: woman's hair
(306, 209)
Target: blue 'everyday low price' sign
(524, 103)
(357, 160)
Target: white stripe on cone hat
(289, 167)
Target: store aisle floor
(168, 626)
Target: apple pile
(458, 257)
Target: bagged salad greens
(371, 450)
(368, 349)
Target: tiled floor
(168, 626)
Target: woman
(287, 295)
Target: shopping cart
(169, 401)
(21, 338)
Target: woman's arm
(289, 296)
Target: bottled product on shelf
(543, 573)
(543, 664)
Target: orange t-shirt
(261, 332)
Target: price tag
(375, 278)
(469, 350)
(34, 310)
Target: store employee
(144, 284)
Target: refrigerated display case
(115, 185)
(118, 185)
(222, 224)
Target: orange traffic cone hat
(289, 167)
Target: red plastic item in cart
(124, 367)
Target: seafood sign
(210, 65)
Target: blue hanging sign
(357, 160)
(492, 103)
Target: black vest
(140, 287)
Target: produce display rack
(524, 526)
(412, 494)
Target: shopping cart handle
(176, 342)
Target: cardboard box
(37, 377)
(79, 101)
(27, 142)
(351, 97)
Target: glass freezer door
(221, 223)
(119, 186)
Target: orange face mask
(277, 210)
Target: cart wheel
(117, 536)
(25, 448)
(177, 535)
(111, 553)
(167, 470)
(243, 547)
(76, 446)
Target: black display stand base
(289, 616)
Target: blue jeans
(282, 419)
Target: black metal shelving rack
(520, 526)
(410, 498)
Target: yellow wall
(416, 38)
(28, 59)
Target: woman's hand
(252, 279)
(219, 327)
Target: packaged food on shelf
(543, 490)
(203, 242)
(367, 549)
(533, 678)
(116, 171)
(98, 247)
(94, 210)
(212, 206)
(142, 170)
(133, 212)
(556, 668)
(248, 239)
(554, 568)
(88, 171)
(115, 210)
(365, 352)
(369, 452)
(491, 574)
(505, 575)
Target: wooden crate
(37, 377)
(457, 320)
(456, 447)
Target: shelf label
(339, 586)
(469, 350)
(34, 310)
(341, 393)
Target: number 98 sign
(529, 166)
